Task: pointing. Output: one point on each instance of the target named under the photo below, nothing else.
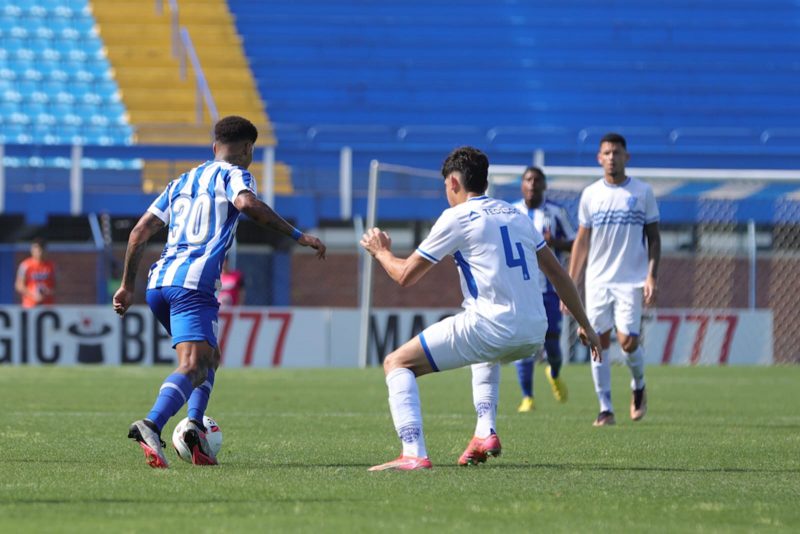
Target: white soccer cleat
(150, 442)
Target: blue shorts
(552, 306)
(188, 315)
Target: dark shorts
(187, 314)
(552, 306)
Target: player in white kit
(618, 234)
(499, 254)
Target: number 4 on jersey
(511, 260)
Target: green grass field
(718, 451)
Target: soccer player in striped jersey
(201, 209)
(499, 254)
(619, 242)
(552, 221)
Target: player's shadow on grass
(275, 500)
(657, 469)
(509, 465)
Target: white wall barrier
(328, 337)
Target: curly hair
(233, 129)
(473, 166)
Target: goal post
(365, 296)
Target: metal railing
(183, 50)
(204, 95)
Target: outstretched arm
(147, 226)
(568, 294)
(654, 256)
(247, 203)
(406, 271)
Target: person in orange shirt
(36, 277)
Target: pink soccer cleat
(479, 449)
(404, 463)
(195, 440)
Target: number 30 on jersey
(191, 220)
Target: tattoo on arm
(140, 235)
(132, 258)
(262, 214)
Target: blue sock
(171, 397)
(553, 348)
(525, 375)
(199, 399)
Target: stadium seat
(55, 61)
(694, 79)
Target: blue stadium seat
(532, 67)
(54, 76)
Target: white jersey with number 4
(494, 246)
(617, 214)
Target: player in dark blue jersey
(201, 209)
(551, 220)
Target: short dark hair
(40, 241)
(233, 129)
(473, 166)
(534, 169)
(614, 138)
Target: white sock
(635, 361)
(406, 412)
(485, 394)
(601, 373)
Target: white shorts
(610, 306)
(456, 342)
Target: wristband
(296, 234)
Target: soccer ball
(213, 435)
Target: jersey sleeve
(239, 180)
(160, 206)
(651, 213)
(538, 239)
(443, 240)
(584, 216)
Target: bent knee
(629, 343)
(390, 363)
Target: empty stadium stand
(692, 83)
(55, 80)
(162, 104)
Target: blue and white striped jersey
(198, 207)
(549, 218)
